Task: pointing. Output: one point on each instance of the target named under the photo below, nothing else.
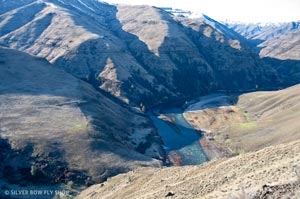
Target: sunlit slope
(135, 53)
(257, 120)
(239, 177)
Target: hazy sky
(236, 10)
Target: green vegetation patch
(248, 126)
(247, 117)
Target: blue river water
(181, 137)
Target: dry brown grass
(258, 120)
(240, 177)
(67, 122)
(240, 195)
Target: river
(179, 137)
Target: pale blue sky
(236, 10)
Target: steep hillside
(75, 36)
(284, 46)
(270, 173)
(256, 120)
(279, 44)
(202, 50)
(73, 72)
(55, 128)
(235, 66)
(279, 41)
(119, 50)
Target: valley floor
(266, 162)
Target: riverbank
(247, 122)
(181, 140)
(211, 149)
(179, 131)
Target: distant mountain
(55, 128)
(138, 54)
(278, 44)
(278, 40)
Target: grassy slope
(235, 177)
(259, 119)
(285, 47)
(51, 118)
(120, 49)
(273, 117)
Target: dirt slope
(243, 176)
(257, 120)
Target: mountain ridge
(89, 44)
(78, 77)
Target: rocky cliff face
(56, 128)
(135, 53)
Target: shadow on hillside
(192, 77)
(56, 91)
(218, 65)
(22, 17)
(221, 67)
(134, 49)
(288, 70)
(90, 108)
